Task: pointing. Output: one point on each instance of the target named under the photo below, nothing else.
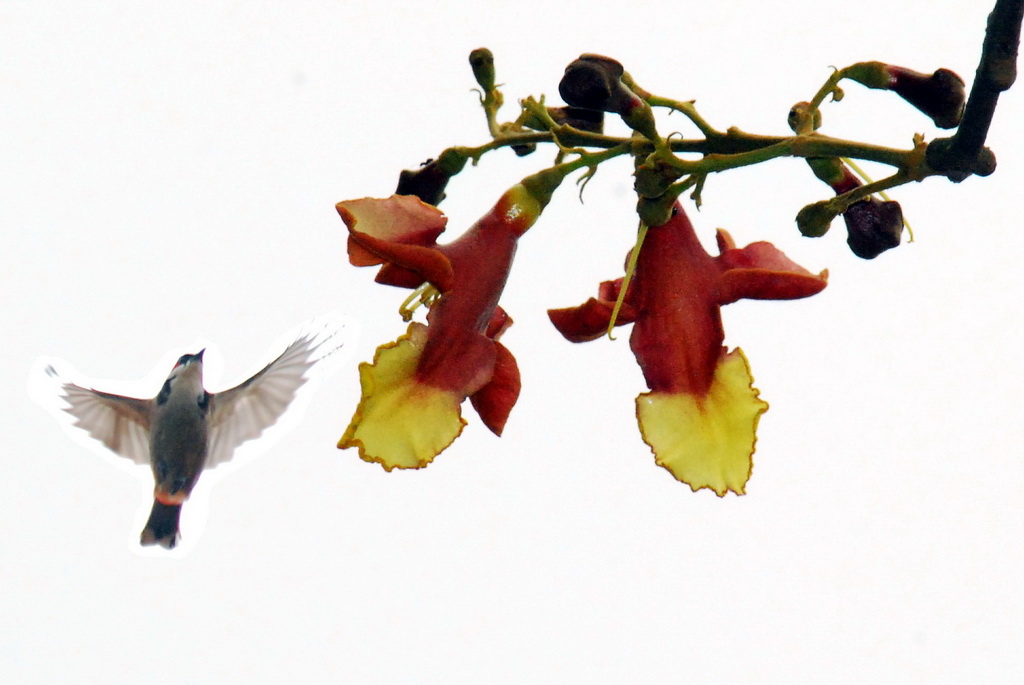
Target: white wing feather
(245, 411)
(120, 423)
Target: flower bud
(657, 211)
(524, 149)
(653, 178)
(814, 220)
(429, 181)
(592, 82)
(940, 95)
(802, 120)
(581, 119)
(871, 74)
(835, 173)
(595, 82)
(482, 62)
(874, 226)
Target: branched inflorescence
(700, 413)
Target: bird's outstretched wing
(246, 410)
(121, 423)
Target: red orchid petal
(590, 320)
(433, 266)
(760, 271)
(494, 401)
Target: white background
(169, 175)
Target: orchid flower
(701, 414)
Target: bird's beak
(200, 355)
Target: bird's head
(189, 359)
(189, 367)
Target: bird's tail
(162, 526)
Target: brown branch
(964, 154)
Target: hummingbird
(186, 429)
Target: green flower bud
(814, 220)
(870, 74)
(652, 178)
(482, 62)
(833, 172)
(656, 212)
(802, 120)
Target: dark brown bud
(874, 226)
(592, 82)
(429, 181)
(595, 82)
(580, 119)
(940, 95)
(524, 149)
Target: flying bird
(185, 429)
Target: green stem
(731, 150)
(842, 202)
(492, 102)
(764, 149)
(634, 254)
(829, 87)
(687, 109)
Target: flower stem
(641, 233)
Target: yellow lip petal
(706, 442)
(400, 422)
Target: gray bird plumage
(185, 429)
